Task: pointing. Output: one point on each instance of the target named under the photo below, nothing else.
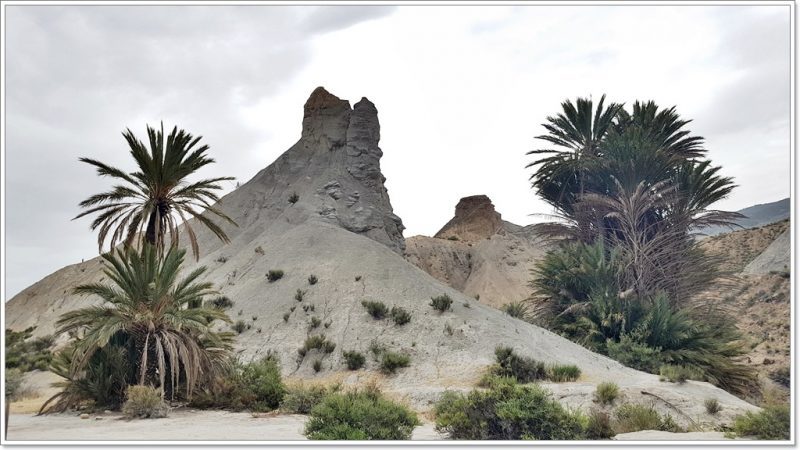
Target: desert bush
(286, 317)
(506, 411)
(712, 406)
(516, 309)
(312, 279)
(377, 310)
(26, 353)
(358, 278)
(274, 275)
(299, 295)
(315, 322)
(144, 402)
(606, 393)
(400, 315)
(301, 399)
(771, 423)
(633, 417)
(598, 425)
(782, 376)
(560, 373)
(317, 366)
(676, 374)
(354, 360)
(14, 381)
(221, 302)
(452, 238)
(441, 303)
(293, 198)
(260, 385)
(376, 348)
(240, 326)
(521, 368)
(360, 415)
(319, 342)
(391, 361)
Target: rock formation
(776, 257)
(340, 227)
(475, 219)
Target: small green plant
(292, 309)
(452, 238)
(771, 423)
(256, 386)
(354, 360)
(521, 368)
(222, 259)
(299, 295)
(606, 393)
(360, 415)
(312, 279)
(441, 303)
(144, 402)
(27, 353)
(376, 349)
(676, 374)
(358, 278)
(516, 309)
(274, 275)
(327, 323)
(391, 361)
(318, 342)
(305, 308)
(633, 417)
(467, 305)
(311, 307)
(241, 311)
(301, 399)
(258, 330)
(317, 365)
(286, 317)
(448, 329)
(598, 425)
(14, 382)
(222, 303)
(293, 198)
(315, 322)
(400, 315)
(712, 406)
(255, 318)
(239, 327)
(377, 310)
(259, 250)
(562, 373)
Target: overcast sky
(460, 90)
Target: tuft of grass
(712, 406)
(293, 198)
(771, 423)
(315, 322)
(255, 318)
(317, 365)
(561, 373)
(448, 329)
(598, 425)
(354, 360)
(606, 393)
(517, 310)
(274, 275)
(299, 295)
(400, 315)
(377, 310)
(358, 277)
(676, 374)
(259, 250)
(318, 342)
(521, 368)
(452, 238)
(144, 402)
(632, 417)
(441, 303)
(391, 361)
(286, 317)
(301, 399)
(239, 327)
(221, 303)
(312, 279)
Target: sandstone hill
(480, 254)
(341, 228)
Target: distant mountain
(756, 216)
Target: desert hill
(321, 208)
(757, 216)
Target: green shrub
(312, 279)
(301, 399)
(391, 361)
(606, 393)
(561, 373)
(261, 387)
(521, 368)
(354, 360)
(319, 342)
(358, 278)
(632, 417)
(452, 238)
(239, 327)
(144, 402)
(317, 366)
(26, 353)
(516, 309)
(676, 374)
(400, 315)
(274, 275)
(782, 376)
(364, 415)
(315, 322)
(712, 406)
(299, 295)
(376, 349)
(771, 423)
(598, 425)
(441, 303)
(375, 309)
(221, 303)
(506, 411)
(286, 317)
(14, 380)
(634, 354)
(293, 198)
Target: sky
(461, 93)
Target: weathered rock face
(475, 219)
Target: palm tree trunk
(150, 233)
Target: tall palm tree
(146, 311)
(157, 197)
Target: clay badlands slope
(342, 228)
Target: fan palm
(157, 197)
(147, 311)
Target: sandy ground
(181, 425)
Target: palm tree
(147, 313)
(157, 197)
